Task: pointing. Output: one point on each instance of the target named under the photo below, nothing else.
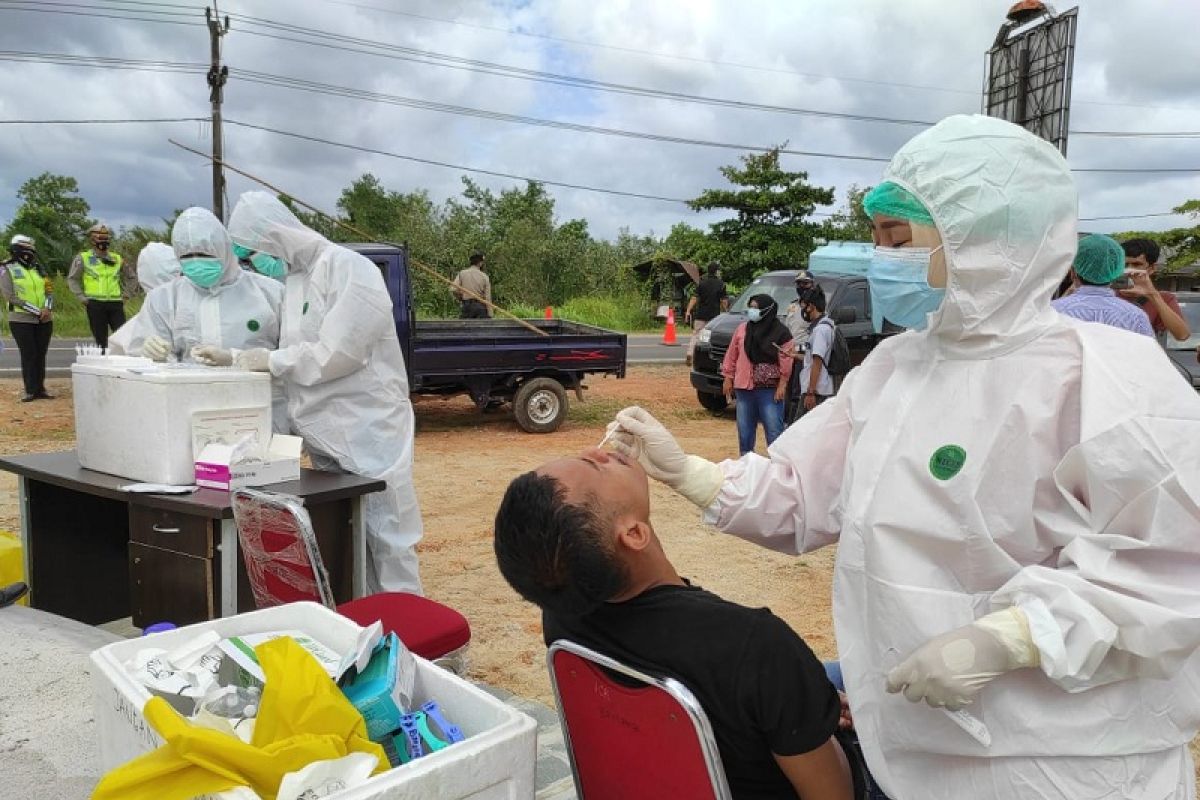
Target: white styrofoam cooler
(136, 422)
(495, 762)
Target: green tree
(771, 227)
(852, 223)
(1182, 245)
(54, 214)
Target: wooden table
(95, 553)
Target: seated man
(575, 539)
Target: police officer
(102, 282)
(26, 289)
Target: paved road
(643, 349)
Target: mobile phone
(1123, 282)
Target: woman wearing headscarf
(757, 370)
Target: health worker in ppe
(217, 306)
(156, 265)
(1017, 519)
(343, 372)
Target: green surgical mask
(204, 272)
(269, 265)
(242, 253)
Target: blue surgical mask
(753, 314)
(269, 265)
(900, 290)
(242, 253)
(204, 272)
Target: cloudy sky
(909, 59)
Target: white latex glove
(637, 434)
(156, 348)
(212, 356)
(256, 360)
(949, 670)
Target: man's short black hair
(553, 552)
(713, 267)
(814, 297)
(1142, 247)
(476, 257)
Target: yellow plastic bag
(12, 561)
(304, 717)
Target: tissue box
(281, 463)
(378, 692)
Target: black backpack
(839, 353)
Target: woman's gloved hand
(212, 356)
(949, 670)
(156, 348)
(256, 360)
(637, 434)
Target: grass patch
(70, 317)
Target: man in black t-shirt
(706, 304)
(574, 538)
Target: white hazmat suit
(1003, 457)
(156, 265)
(242, 310)
(343, 371)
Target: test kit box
(133, 418)
(216, 468)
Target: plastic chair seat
(427, 628)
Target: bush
(626, 312)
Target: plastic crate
(495, 762)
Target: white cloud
(1125, 79)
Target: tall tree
(772, 207)
(54, 214)
(852, 223)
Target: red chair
(632, 736)
(284, 565)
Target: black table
(95, 553)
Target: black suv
(848, 303)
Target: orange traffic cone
(669, 333)
(549, 312)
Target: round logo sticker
(946, 461)
(252, 325)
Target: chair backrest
(632, 736)
(280, 549)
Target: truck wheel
(540, 405)
(713, 402)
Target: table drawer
(170, 587)
(171, 530)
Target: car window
(782, 291)
(856, 298)
(1191, 313)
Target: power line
(695, 59)
(435, 163)
(286, 82)
(1133, 216)
(354, 44)
(115, 13)
(434, 58)
(144, 120)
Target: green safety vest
(101, 281)
(29, 286)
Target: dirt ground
(465, 460)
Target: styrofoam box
(495, 762)
(136, 422)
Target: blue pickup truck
(496, 361)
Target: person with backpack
(825, 354)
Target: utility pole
(217, 75)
